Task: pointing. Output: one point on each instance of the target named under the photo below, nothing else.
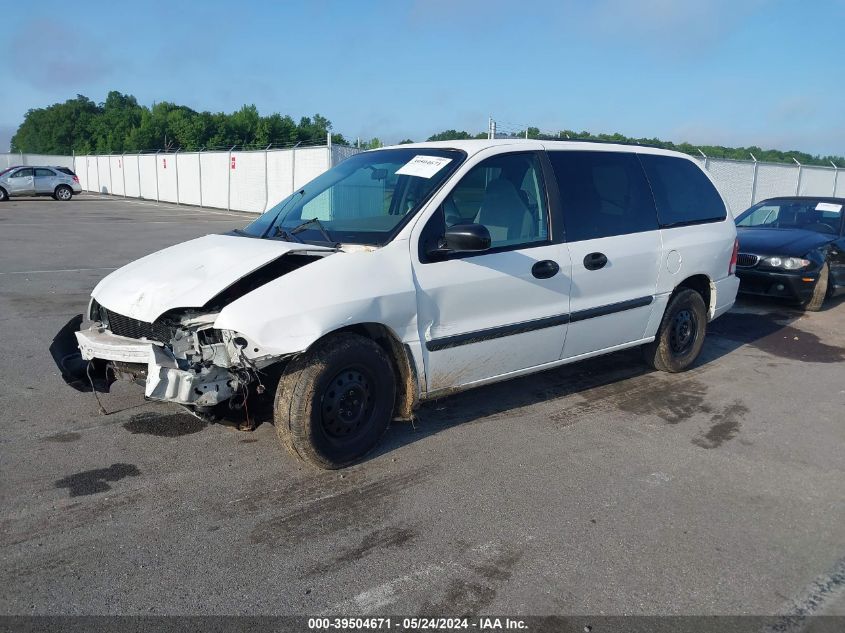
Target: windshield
(810, 215)
(364, 200)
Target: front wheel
(3, 195)
(335, 401)
(820, 291)
(681, 334)
(63, 193)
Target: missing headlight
(210, 336)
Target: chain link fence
(743, 183)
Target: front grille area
(746, 260)
(133, 328)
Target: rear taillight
(732, 267)
(75, 178)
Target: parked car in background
(413, 272)
(30, 180)
(793, 248)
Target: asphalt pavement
(598, 488)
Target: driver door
(486, 314)
(21, 183)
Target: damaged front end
(178, 358)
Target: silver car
(59, 182)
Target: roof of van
(474, 146)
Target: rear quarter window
(682, 193)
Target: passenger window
(44, 173)
(761, 216)
(684, 195)
(23, 173)
(506, 194)
(603, 194)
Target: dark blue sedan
(792, 248)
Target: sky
(734, 72)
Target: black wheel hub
(347, 403)
(683, 332)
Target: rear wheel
(681, 334)
(63, 193)
(335, 402)
(820, 291)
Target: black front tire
(820, 291)
(680, 336)
(335, 401)
(3, 195)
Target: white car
(412, 272)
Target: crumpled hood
(791, 242)
(187, 275)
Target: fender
(288, 314)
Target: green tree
(120, 124)
(451, 135)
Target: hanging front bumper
(165, 380)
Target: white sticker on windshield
(829, 206)
(423, 166)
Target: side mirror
(463, 238)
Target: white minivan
(411, 272)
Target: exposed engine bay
(181, 357)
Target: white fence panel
(104, 174)
(189, 179)
(280, 170)
(81, 171)
(147, 169)
(167, 178)
(91, 174)
(12, 159)
(776, 180)
(117, 174)
(840, 183)
(246, 173)
(733, 180)
(132, 167)
(310, 163)
(816, 181)
(215, 179)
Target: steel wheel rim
(684, 332)
(347, 404)
(64, 194)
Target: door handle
(594, 261)
(545, 269)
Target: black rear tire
(820, 291)
(680, 336)
(335, 402)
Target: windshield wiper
(286, 235)
(304, 225)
